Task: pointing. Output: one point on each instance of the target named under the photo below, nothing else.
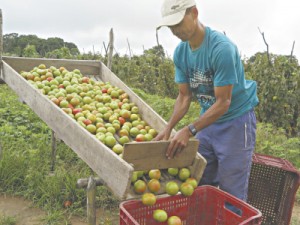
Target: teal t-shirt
(215, 63)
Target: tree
(157, 50)
(278, 80)
(24, 40)
(62, 53)
(9, 42)
(14, 44)
(30, 51)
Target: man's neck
(198, 37)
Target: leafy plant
(164, 107)
(7, 220)
(273, 141)
(278, 90)
(150, 72)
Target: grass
(7, 220)
(295, 221)
(26, 161)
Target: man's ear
(194, 12)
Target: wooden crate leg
(53, 154)
(91, 201)
(90, 185)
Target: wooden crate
(113, 170)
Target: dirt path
(21, 210)
(25, 214)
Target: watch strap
(192, 129)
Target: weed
(7, 220)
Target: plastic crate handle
(231, 208)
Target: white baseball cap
(173, 11)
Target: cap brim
(171, 20)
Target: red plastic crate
(273, 184)
(205, 207)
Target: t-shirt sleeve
(180, 75)
(224, 60)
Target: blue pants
(228, 149)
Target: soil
(25, 214)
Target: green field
(26, 160)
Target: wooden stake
(91, 201)
(94, 55)
(1, 36)
(111, 48)
(90, 184)
(53, 154)
(105, 48)
(83, 182)
(268, 54)
(157, 41)
(292, 52)
(1, 45)
(129, 48)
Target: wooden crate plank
(86, 145)
(115, 172)
(148, 114)
(87, 67)
(196, 168)
(94, 77)
(98, 71)
(152, 155)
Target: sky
(87, 23)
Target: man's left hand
(178, 142)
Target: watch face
(192, 129)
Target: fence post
(111, 49)
(90, 185)
(91, 201)
(1, 46)
(53, 152)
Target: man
(208, 65)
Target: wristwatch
(192, 129)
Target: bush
(278, 90)
(164, 107)
(273, 141)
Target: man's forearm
(211, 115)
(181, 107)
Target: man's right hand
(163, 135)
